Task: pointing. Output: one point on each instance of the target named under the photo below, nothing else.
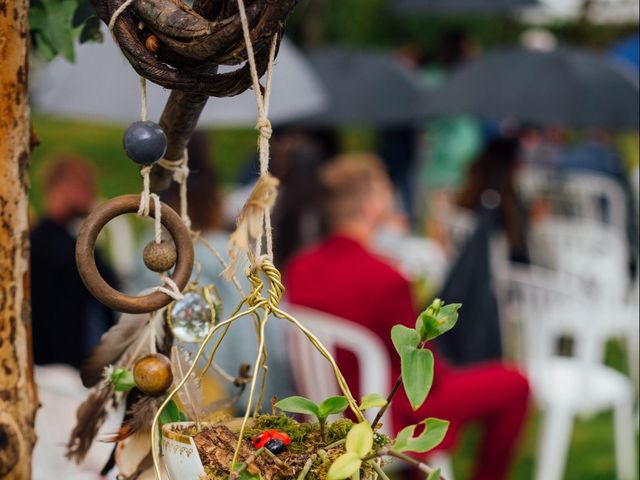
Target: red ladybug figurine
(263, 438)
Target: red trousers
(492, 395)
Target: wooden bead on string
(159, 257)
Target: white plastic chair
(592, 250)
(596, 253)
(595, 197)
(548, 305)
(314, 375)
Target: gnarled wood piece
(190, 43)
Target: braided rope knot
(263, 125)
(275, 290)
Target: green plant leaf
(372, 400)
(417, 374)
(332, 406)
(403, 437)
(244, 474)
(344, 466)
(433, 433)
(122, 379)
(404, 337)
(359, 439)
(171, 413)
(433, 323)
(298, 404)
(435, 475)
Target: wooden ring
(86, 261)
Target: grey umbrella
(564, 87)
(102, 86)
(366, 88)
(462, 6)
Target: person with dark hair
(491, 181)
(343, 277)
(296, 219)
(67, 320)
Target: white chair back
(594, 251)
(313, 373)
(596, 197)
(541, 306)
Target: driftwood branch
(192, 45)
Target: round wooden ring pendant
(94, 282)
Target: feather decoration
(163, 334)
(139, 416)
(112, 346)
(90, 416)
(190, 394)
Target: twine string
(254, 221)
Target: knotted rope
(254, 220)
(180, 174)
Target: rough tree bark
(18, 399)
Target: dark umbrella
(366, 88)
(462, 6)
(564, 87)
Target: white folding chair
(548, 305)
(313, 373)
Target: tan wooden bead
(159, 257)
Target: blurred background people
(449, 143)
(343, 277)
(491, 184)
(67, 320)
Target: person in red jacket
(343, 277)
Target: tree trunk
(18, 398)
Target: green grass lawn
(591, 456)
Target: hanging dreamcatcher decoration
(140, 367)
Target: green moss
(305, 440)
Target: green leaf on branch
(171, 413)
(373, 400)
(433, 433)
(344, 466)
(359, 439)
(122, 379)
(435, 475)
(244, 474)
(298, 404)
(55, 25)
(358, 444)
(433, 322)
(402, 336)
(417, 374)
(332, 406)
